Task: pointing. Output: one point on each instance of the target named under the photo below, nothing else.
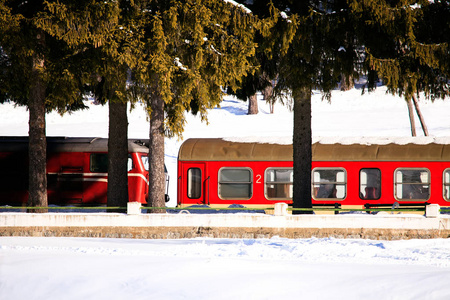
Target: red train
(76, 171)
(219, 173)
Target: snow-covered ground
(81, 268)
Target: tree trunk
(419, 113)
(117, 194)
(347, 83)
(156, 191)
(302, 142)
(268, 91)
(37, 150)
(411, 117)
(252, 105)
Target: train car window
(235, 183)
(129, 163)
(278, 183)
(412, 184)
(194, 183)
(446, 184)
(99, 162)
(145, 162)
(329, 183)
(370, 184)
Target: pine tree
(320, 49)
(192, 50)
(324, 50)
(105, 36)
(35, 71)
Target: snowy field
(81, 268)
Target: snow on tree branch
(232, 2)
(177, 63)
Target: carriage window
(278, 183)
(99, 162)
(412, 184)
(446, 184)
(235, 183)
(129, 163)
(144, 159)
(194, 183)
(329, 183)
(370, 184)
(145, 162)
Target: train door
(194, 184)
(69, 185)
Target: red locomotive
(77, 171)
(219, 173)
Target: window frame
(343, 183)
(91, 160)
(145, 165)
(395, 184)
(366, 184)
(131, 166)
(188, 183)
(219, 183)
(285, 183)
(444, 184)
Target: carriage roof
(69, 144)
(216, 149)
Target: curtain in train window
(446, 184)
(278, 183)
(194, 183)
(370, 184)
(412, 184)
(235, 183)
(329, 183)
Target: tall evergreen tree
(106, 35)
(35, 71)
(323, 50)
(192, 50)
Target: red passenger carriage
(219, 173)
